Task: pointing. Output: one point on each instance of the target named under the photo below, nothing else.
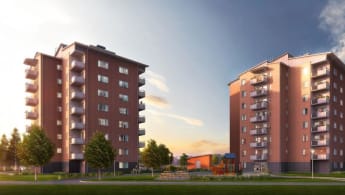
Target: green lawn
(166, 190)
(130, 178)
(255, 179)
(29, 177)
(334, 174)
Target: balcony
(31, 101)
(30, 61)
(77, 95)
(141, 94)
(259, 105)
(141, 81)
(259, 118)
(77, 140)
(323, 142)
(141, 132)
(320, 157)
(258, 93)
(318, 115)
(141, 106)
(77, 80)
(141, 70)
(31, 73)
(30, 87)
(258, 157)
(77, 65)
(77, 125)
(77, 110)
(77, 156)
(320, 128)
(260, 131)
(77, 53)
(32, 115)
(258, 80)
(320, 86)
(258, 144)
(141, 119)
(320, 101)
(141, 145)
(320, 73)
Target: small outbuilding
(200, 162)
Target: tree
(216, 158)
(155, 156)
(12, 154)
(99, 152)
(184, 160)
(36, 149)
(3, 150)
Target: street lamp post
(312, 163)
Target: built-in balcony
(320, 86)
(77, 80)
(77, 156)
(141, 106)
(77, 65)
(30, 61)
(320, 157)
(77, 95)
(77, 125)
(258, 144)
(258, 157)
(322, 142)
(31, 73)
(259, 105)
(141, 70)
(32, 115)
(320, 100)
(258, 93)
(77, 110)
(258, 118)
(141, 132)
(31, 101)
(319, 114)
(141, 119)
(141, 145)
(320, 128)
(31, 87)
(260, 131)
(141, 81)
(77, 140)
(258, 80)
(320, 73)
(141, 94)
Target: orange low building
(200, 162)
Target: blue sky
(194, 48)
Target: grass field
(166, 190)
(29, 177)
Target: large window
(123, 124)
(103, 122)
(103, 107)
(123, 97)
(123, 111)
(103, 79)
(123, 165)
(103, 64)
(123, 138)
(123, 70)
(103, 93)
(123, 84)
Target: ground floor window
(123, 165)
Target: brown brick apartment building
(80, 90)
(286, 112)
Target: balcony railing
(141, 132)
(31, 101)
(77, 156)
(77, 80)
(259, 92)
(323, 142)
(141, 145)
(258, 144)
(32, 115)
(77, 140)
(31, 73)
(141, 119)
(320, 128)
(141, 81)
(30, 61)
(320, 72)
(320, 86)
(320, 156)
(322, 114)
(260, 131)
(77, 95)
(141, 106)
(259, 118)
(141, 94)
(320, 100)
(77, 65)
(30, 87)
(77, 110)
(258, 157)
(259, 105)
(77, 125)
(258, 80)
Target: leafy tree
(12, 154)
(155, 156)
(99, 152)
(184, 160)
(216, 158)
(36, 149)
(3, 150)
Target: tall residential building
(80, 90)
(288, 113)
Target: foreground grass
(166, 190)
(130, 178)
(334, 174)
(255, 179)
(29, 177)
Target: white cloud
(156, 101)
(332, 19)
(157, 81)
(187, 120)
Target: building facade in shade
(80, 90)
(288, 113)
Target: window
(58, 67)
(305, 124)
(244, 129)
(59, 136)
(123, 151)
(303, 152)
(123, 84)
(59, 95)
(341, 165)
(58, 150)
(335, 72)
(123, 97)
(341, 77)
(106, 137)
(341, 128)
(243, 105)
(335, 112)
(243, 141)
(305, 111)
(304, 139)
(341, 115)
(103, 107)
(341, 140)
(123, 124)
(243, 82)
(244, 165)
(123, 70)
(103, 64)
(58, 122)
(244, 153)
(341, 90)
(335, 152)
(123, 165)
(123, 138)
(334, 125)
(103, 122)
(334, 85)
(341, 102)
(123, 111)
(103, 79)
(341, 152)
(59, 81)
(305, 98)
(59, 109)
(335, 138)
(103, 93)
(243, 117)
(334, 98)
(243, 93)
